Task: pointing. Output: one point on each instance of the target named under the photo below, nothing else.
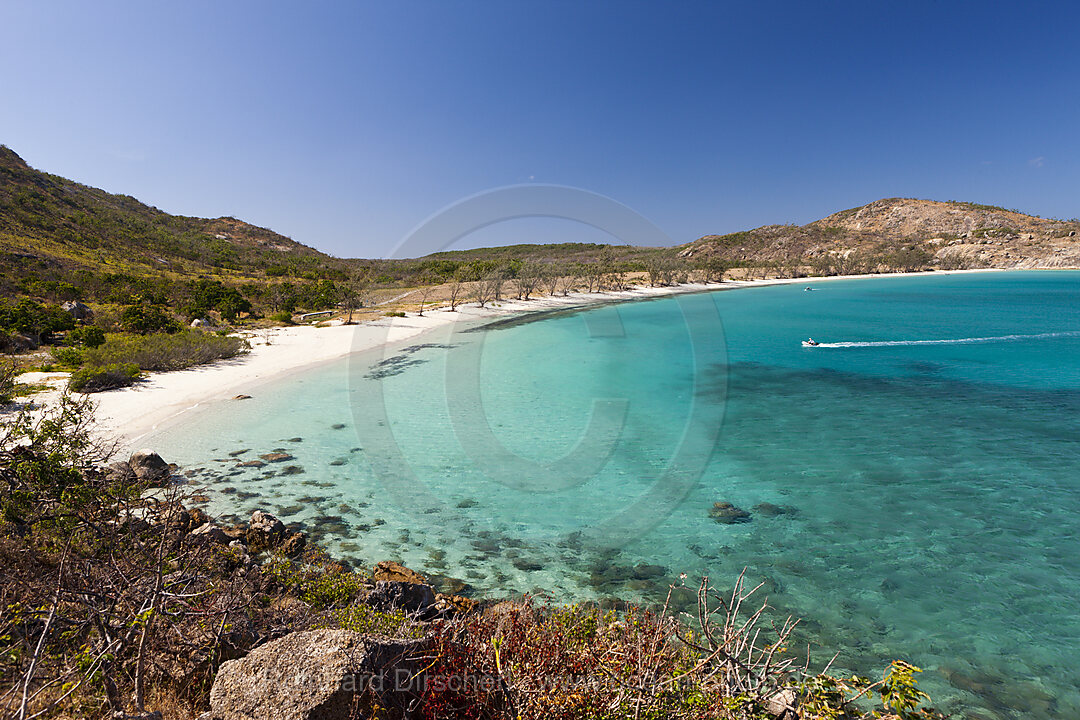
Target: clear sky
(345, 124)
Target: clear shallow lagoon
(930, 491)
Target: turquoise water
(922, 497)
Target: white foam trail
(958, 341)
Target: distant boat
(807, 289)
(810, 343)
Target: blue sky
(344, 125)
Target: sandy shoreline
(128, 414)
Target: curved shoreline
(129, 414)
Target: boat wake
(958, 341)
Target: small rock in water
(236, 453)
(251, 463)
(728, 514)
(339, 462)
(296, 439)
(338, 426)
(292, 470)
(241, 397)
(768, 509)
(276, 457)
(648, 572)
(527, 565)
(467, 503)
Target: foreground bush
(95, 378)
(574, 662)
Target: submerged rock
(276, 457)
(768, 509)
(527, 565)
(728, 514)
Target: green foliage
(900, 693)
(207, 295)
(164, 351)
(284, 317)
(88, 335)
(364, 619)
(580, 623)
(145, 319)
(394, 313)
(43, 475)
(323, 585)
(95, 378)
(33, 318)
(67, 356)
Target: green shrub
(145, 319)
(88, 335)
(394, 313)
(95, 378)
(367, 620)
(165, 351)
(68, 356)
(282, 317)
(32, 318)
(322, 584)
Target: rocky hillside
(953, 234)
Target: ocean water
(912, 482)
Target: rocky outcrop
(77, 310)
(265, 528)
(413, 598)
(148, 465)
(320, 675)
(212, 533)
(395, 572)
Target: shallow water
(921, 469)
